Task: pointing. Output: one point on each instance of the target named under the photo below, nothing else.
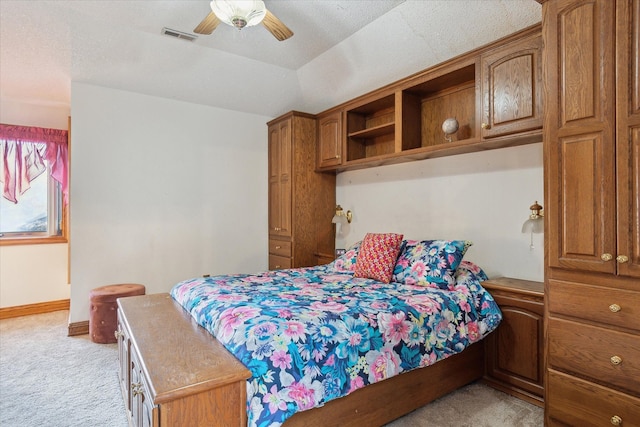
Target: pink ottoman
(103, 310)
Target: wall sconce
(340, 216)
(535, 222)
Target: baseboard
(38, 308)
(78, 328)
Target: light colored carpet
(50, 380)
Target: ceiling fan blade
(207, 25)
(276, 27)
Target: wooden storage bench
(173, 372)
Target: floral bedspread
(314, 334)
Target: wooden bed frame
(175, 373)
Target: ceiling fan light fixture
(239, 13)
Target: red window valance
(24, 150)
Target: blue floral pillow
(347, 261)
(470, 275)
(430, 262)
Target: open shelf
(430, 103)
(371, 129)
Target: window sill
(32, 240)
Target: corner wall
(162, 191)
(31, 274)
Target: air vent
(178, 34)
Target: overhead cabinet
(330, 139)
(512, 89)
(494, 94)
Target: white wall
(162, 191)
(31, 274)
(483, 197)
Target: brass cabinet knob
(622, 259)
(337, 156)
(136, 389)
(277, 267)
(606, 257)
(485, 126)
(278, 247)
(615, 308)
(616, 420)
(616, 360)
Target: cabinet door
(136, 391)
(280, 178)
(515, 351)
(511, 88)
(330, 140)
(274, 178)
(579, 136)
(124, 363)
(628, 137)
(142, 408)
(286, 158)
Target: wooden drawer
(575, 402)
(279, 262)
(280, 248)
(589, 351)
(594, 303)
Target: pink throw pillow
(377, 256)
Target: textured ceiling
(44, 45)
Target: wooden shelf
(375, 131)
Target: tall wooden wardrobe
(592, 178)
(301, 201)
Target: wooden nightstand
(322, 258)
(514, 352)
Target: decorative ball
(450, 126)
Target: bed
(345, 342)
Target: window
(33, 176)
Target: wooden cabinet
(498, 85)
(512, 89)
(514, 352)
(301, 200)
(177, 373)
(330, 139)
(592, 179)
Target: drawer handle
(606, 257)
(622, 259)
(485, 126)
(616, 420)
(615, 308)
(616, 360)
(277, 267)
(277, 247)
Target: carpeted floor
(50, 380)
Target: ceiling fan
(240, 14)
